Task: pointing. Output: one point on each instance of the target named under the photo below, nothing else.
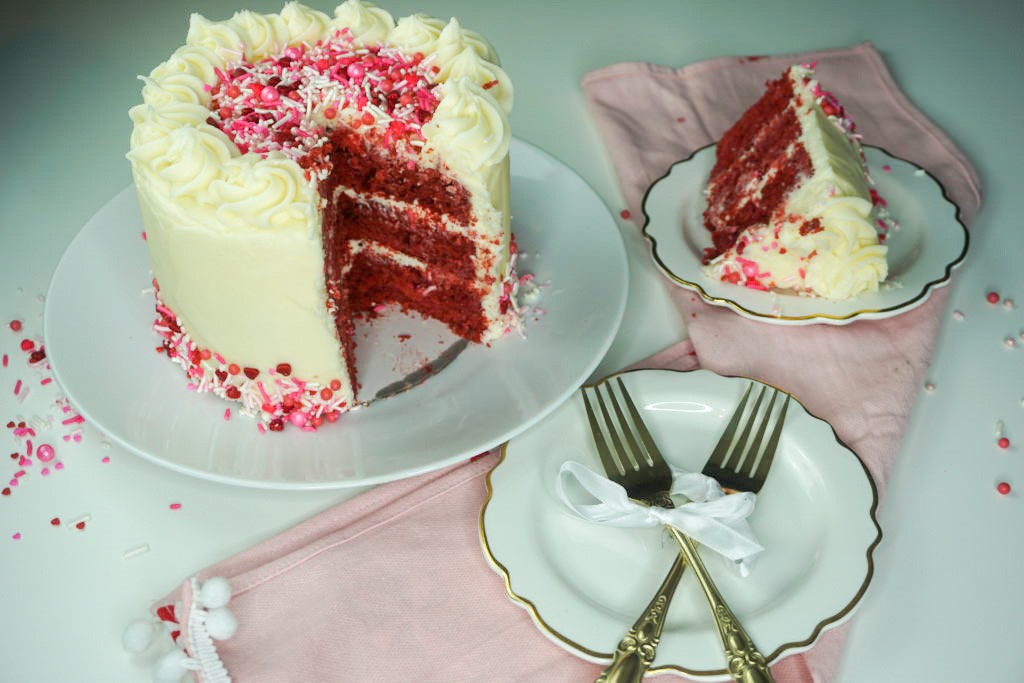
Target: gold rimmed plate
(928, 244)
(584, 583)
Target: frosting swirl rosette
(417, 33)
(368, 25)
(488, 75)
(182, 78)
(470, 125)
(261, 193)
(302, 24)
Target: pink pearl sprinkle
(45, 452)
(105, 460)
(298, 418)
(45, 471)
(270, 94)
(59, 466)
(355, 70)
(16, 536)
(293, 53)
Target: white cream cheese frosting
(242, 223)
(825, 241)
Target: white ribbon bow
(711, 518)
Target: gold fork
(632, 459)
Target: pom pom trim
(200, 644)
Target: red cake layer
(759, 144)
(362, 164)
(415, 233)
(375, 281)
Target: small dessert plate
(929, 242)
(584, 583)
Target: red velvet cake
(296, 171)
(789, 199)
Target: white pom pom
(138, 635)
(221, 623)
(171, 667)
(215, 592)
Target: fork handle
(744, 662)
(637, 648)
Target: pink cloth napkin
(393, 585)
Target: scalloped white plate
(99, 339)
(930, 242)
(584, 584)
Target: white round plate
(585, 584)
(99, 339)
(929, 243)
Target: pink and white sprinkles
(286, 103)
(35, 435)
(272, 395)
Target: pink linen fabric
(393, 585)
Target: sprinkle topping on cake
(286, 103)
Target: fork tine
(773, 442)
(721, 452)
(625, 455)
(762, 419)
(742, 446)
(654, 456)
(634, 452)
(608, 461)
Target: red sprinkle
(15, 325)
(335, 384)
(251, 373)
(284, 369)
(27, 344)
(625, 214)
(1003, 442)
(80, 526)
(55, 521)
(175, 506)
(1003, 488)
(992, 297)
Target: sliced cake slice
(790, 204)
